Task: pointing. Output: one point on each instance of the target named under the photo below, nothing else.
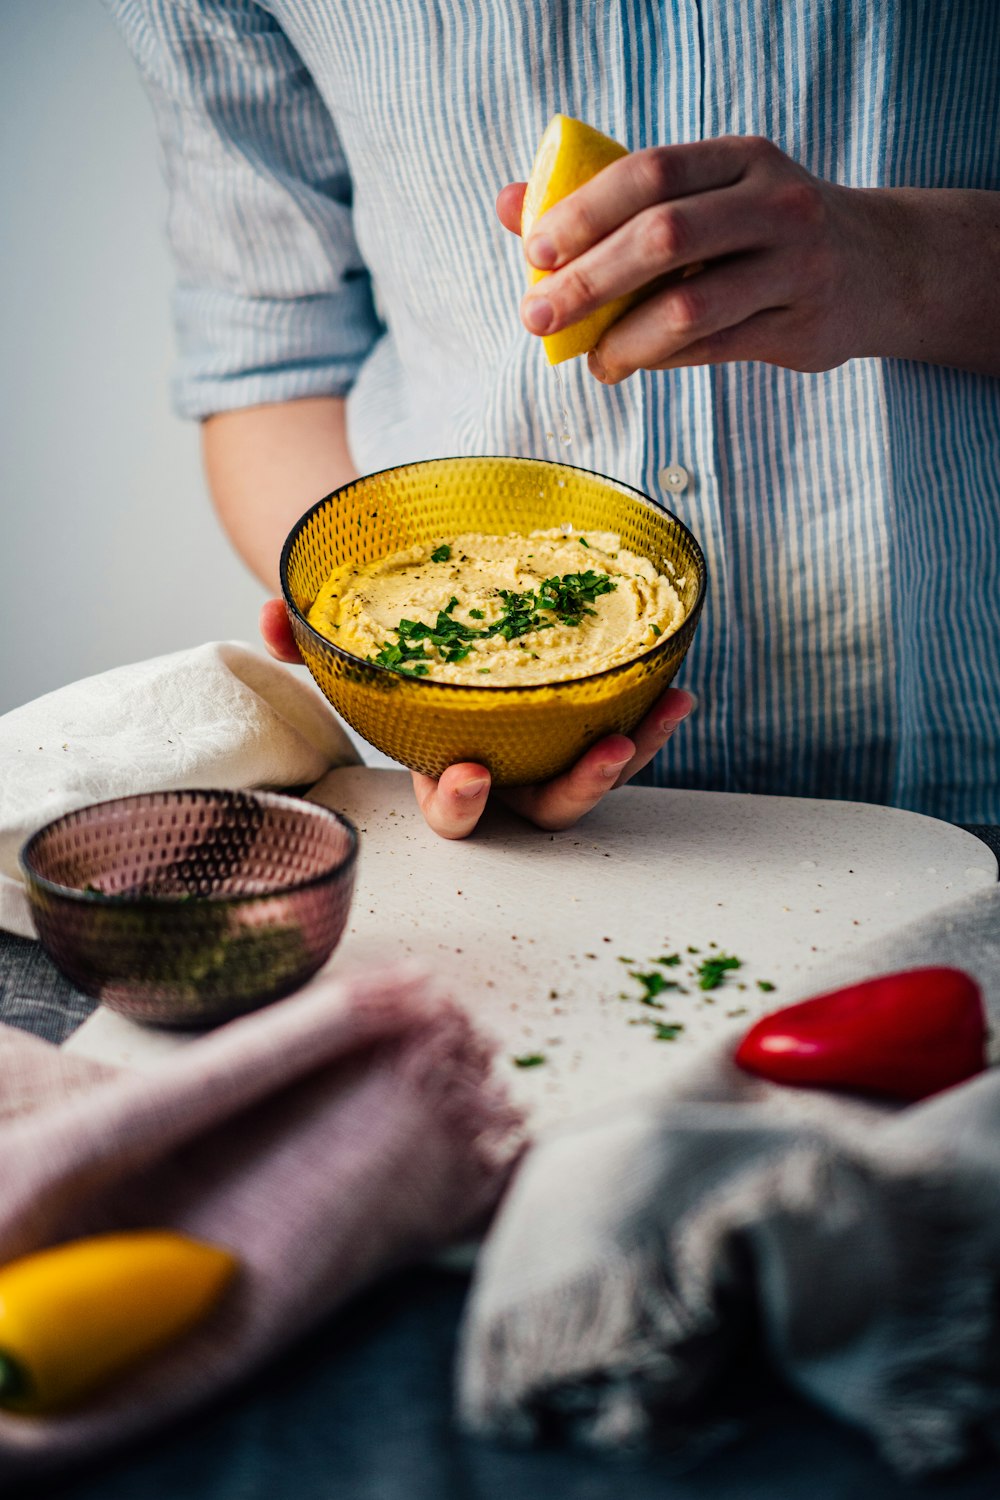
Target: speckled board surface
(541, 934)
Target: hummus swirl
(500, 611)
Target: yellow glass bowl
(522, 734)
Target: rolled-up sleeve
(273, 301)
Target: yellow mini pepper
(73, 1316)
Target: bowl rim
(521, 689)
(169, 902)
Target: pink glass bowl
(187, 908)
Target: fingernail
(541, 252)
(472, 788)
(668, 725)
(538, 314)
(595, 366)
(612, 770)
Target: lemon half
(568, 155)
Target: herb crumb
(712, 971)
(653, 984)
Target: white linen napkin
(217, 715)
(852, 1245)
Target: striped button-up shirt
(333, 166)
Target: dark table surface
(361, 1409)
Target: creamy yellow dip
(475, 594)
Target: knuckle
(577, 225)
(799, 202)
(655, 169)
(663, 234)
(688, 309)
(760, 151)
(578, 289)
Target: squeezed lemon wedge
(568, 155)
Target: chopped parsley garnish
(403, 658)
(583, 541)
(765, 985)
(666, 1031)
(668, 960)
(712, 971)
(529, 1060)
(441, 554)
(568, 598)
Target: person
(820, 403)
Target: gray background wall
(109, 549)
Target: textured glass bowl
(186, 908)
(522, 734)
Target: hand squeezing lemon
(570, 154)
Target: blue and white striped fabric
(333, 166)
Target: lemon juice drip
(564, 436)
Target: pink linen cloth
(324, 1139)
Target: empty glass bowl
(185, 908)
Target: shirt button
(674, 478)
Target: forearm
(266, 465)
(936, 283)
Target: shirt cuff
(240, 351)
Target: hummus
(500, 611)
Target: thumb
(509, 201)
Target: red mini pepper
(905, 1035)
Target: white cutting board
(528, 928)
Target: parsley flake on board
(529, 1060)
(712, 971)
(667, 1031)
(765, 985)
(653, 984)
(441, 554)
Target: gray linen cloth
(854, 1246)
